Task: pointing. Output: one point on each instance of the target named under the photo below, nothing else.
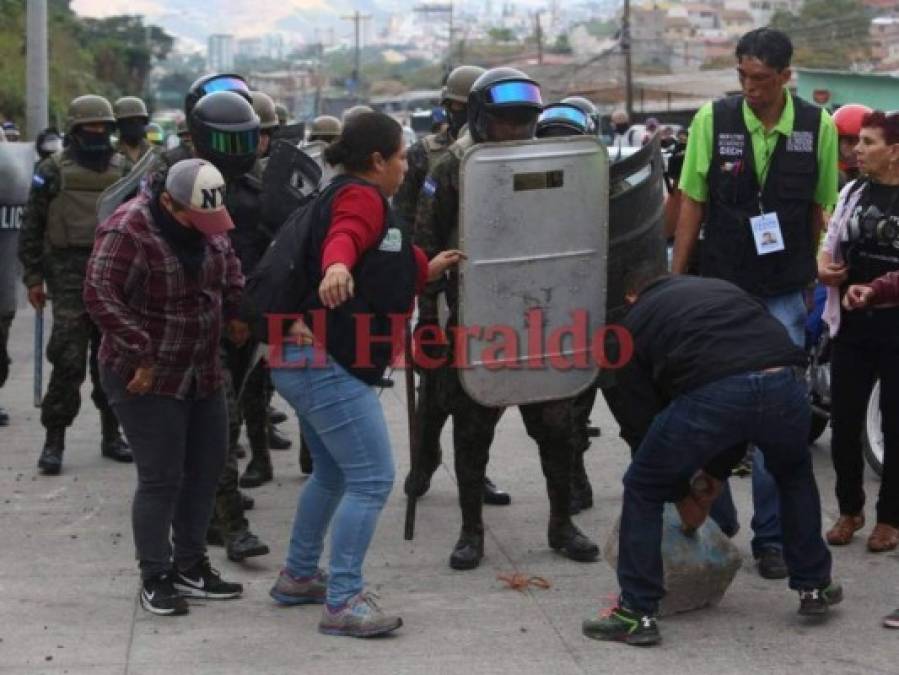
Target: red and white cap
(200, 187)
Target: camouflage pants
(5, 324)
(252, 406)
(550, 424)
(74, 341)
(228, 515)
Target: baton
(411, 502)
(38, 356)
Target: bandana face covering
(133, 130)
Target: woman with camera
(862, 244)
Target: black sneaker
(817, 601)
(771, 564)
(620, 624)
(158, 596)
(202, 581)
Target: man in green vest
(131, 121)
(759, 172)
(55, 242)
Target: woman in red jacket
(369, 273)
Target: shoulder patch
(430, 187)
(38, 180)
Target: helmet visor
(234, 142)
(226, 83)
(514, 93)
(566, 114)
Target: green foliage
(501, 35)
(111, 57)
(562, 45)
(827, 33)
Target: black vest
(384, 281)
(728, 247)
(243, 199)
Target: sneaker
(359, 617)
(622, 625)
(202, 581)
(158, 596)
(291, 590)
(892, 620)
(816, 601)
(771, 564)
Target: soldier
(325, 128)
(250, 239)
(11, 131)
(503, 106)
(54, 246)
(421, 158)
(183, 134)
(575, 116)
(131, 118)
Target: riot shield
(289, 178)
(316, 150)
(636, 220)
(292, 133)
(534, 225)
(16, 171)
(125, 188)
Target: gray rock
(698, 568)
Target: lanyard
(769, 156)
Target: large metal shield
(534, 225)
(125, 188)
(16, 172)
(316, 150)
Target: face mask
(621, 128)
(132, 130)
(457, 120)
(51, 146)
(92, 143)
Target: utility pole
(539, 36)
(626, 50)
(36, 72)
(447, 10)
(357, 18)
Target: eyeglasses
(565, 113)
(514, 93)
(226, 83)
(234, 142)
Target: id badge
(767, 234)
(392, 242)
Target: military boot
(50, 462)
(469, 550)
(243, 545)
(259, 468)
(565, 537)
(581, 490)
(112, 445)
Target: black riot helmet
(209, 84)
(587, 106)
(225, 131)
(564, 119)
(501, 93)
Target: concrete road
(68, 578)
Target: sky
(195, 21)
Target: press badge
(392, 242)
(767, 234)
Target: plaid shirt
(152, 313)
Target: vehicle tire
(872, 435)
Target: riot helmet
(209, 84)
(349, 113)
(324, 128)
(224, 130)
(503, 94)
(264, 107)
(564, 119)
(587, 106)
(282, 113)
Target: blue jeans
(770, 410)
(343, 423)
(790, 310)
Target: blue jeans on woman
(770, 410)
(343, 423)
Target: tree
(562, 45)
(827, 33)
(501, 35)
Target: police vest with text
(730, 248)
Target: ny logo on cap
(213, 198)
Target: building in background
(220, 54)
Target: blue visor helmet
(564, 119)
(500, 92)
(211, 84)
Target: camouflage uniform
(5, 324)
(550, 424)
(62, 268)
(133, 156)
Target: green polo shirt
(694, 180)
